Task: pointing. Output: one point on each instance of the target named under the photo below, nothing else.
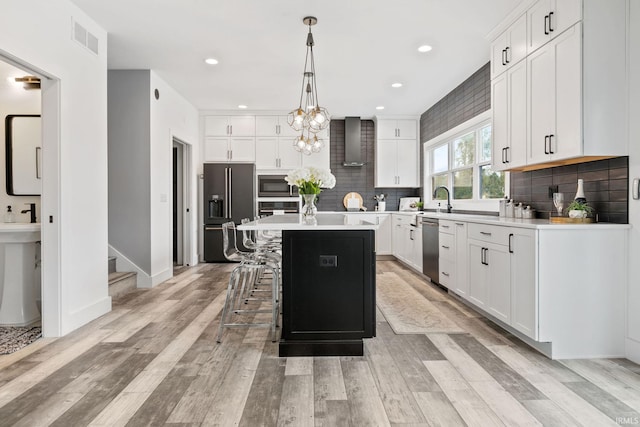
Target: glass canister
(517, 211)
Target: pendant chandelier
(309, 118)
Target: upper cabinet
(550, 18)
(569, 94)
(510, 47)
(229, 139)
(230, 126)
(276, 126)
(397, 154)
(396, 129)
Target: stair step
(121, 283)
(112, 264)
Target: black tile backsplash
(358, 179)
(606, 187)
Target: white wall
(633, 307)
(171, 116)
(38, 33)
(15, 100)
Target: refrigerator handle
(226, 191)
(230, 191)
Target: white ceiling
(362, 46)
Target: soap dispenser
(9, 217)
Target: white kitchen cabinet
(396, 163)
(524, 297)
(276, 153)
(396, 129)
(383, 233)
(275, 126)
(461, 286)
(510, 47)
(321, 160)
(230, 126)
(509, 118)
(453, 256)
(549, 18)
(490, 268)
(224, 149)
(407, 240)
(555, 99)
(576, 94)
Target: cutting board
(354, 197)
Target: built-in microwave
(275, 186)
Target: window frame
(475, 125)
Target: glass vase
(309, 209)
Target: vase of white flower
(310, 182)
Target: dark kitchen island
(328, 284)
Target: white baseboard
(85, 315)
(633, 350)
(143, 280)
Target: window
(462, 163)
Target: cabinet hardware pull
(444, 226)
(502, 159)
(460, 223)
(485, 233)
(550, 27)
(411, 234)
(510, 248)
(546, 138)
(506, 154)
(445, 274)
(445, 247)
(551, 151)
(506, 55)
(546, 22)
(504, 52)
(486, 256)
(38, 150)
(231, 129)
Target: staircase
(120, 283)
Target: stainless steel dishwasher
(430, 248)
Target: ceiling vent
(84, 37)
(352, 143)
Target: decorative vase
(577, 214)
(309, 209)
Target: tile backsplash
(606, 187)
(358, 179)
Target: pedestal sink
(19, 251)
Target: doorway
(48, 201)
(181, 203)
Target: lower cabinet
(407, 240)
(383, 233)
(524, 298)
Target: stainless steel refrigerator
(229, 195)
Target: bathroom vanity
(19, 273)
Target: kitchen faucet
(32, 210)
(448, 197)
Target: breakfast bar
(328, 283)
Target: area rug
(407, 311)
(13, 339)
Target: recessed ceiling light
(211, 61)
(380, 107)
(424, 48)
(396, 85)
(242, 106)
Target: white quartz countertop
(324, 221)
(517, 222)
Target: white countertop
(325, 221)
(19, 232)
(517, 222)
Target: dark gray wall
(470, 98)
(358, 179)
(606, 187)
(129, 165)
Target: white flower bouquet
(311, 180)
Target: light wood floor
(154, 361)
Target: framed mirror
(23, 148)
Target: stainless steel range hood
(352, 143)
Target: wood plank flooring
(154, 361)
